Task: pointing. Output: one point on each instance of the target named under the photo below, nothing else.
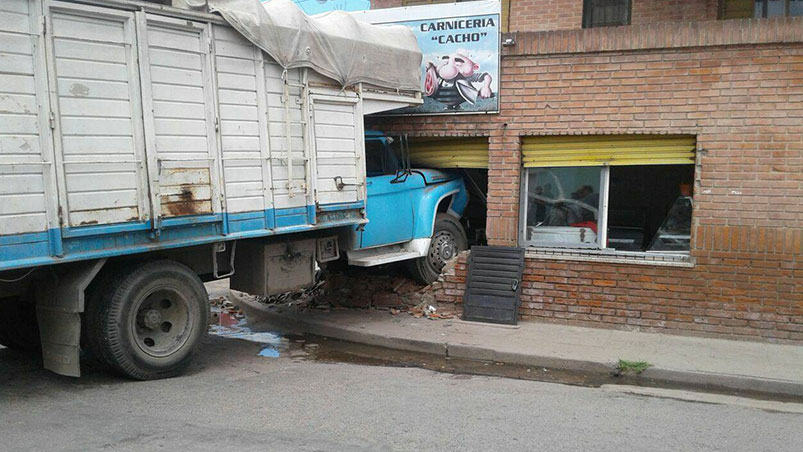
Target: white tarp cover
(334, 44)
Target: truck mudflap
(59, 304)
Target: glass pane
(639, 201)
(373, 157)
(776, 8)
(606, 13)
(770, 8)
(796, 8)
(563, 206)
(675, 232)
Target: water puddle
(234, 325)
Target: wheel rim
(443, 248)
(163, 322)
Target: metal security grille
(493, 286)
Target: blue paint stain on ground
(269, 352)
(234, 326)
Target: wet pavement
(232, 321)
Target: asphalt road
(233, 399)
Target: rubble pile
(386, 288)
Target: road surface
(233, 399)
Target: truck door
(92, 65)
(389, 203)
(289, 156)
(338, 150)
(179, 111)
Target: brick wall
(745, 105)
(543, 15)
(546, 15)
(651, 11)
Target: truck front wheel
(448, 239)
(148, 320)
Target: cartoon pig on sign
(456, 81)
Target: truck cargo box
(126, 127)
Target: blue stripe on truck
(98, 241)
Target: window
(777, 8)
(747, 9)
(622, 193)
(606, 13)
(380, 157)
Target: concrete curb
(474, 352)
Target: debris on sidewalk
(386, 288)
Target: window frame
(604, 176)
(587, 18)
(602, 225)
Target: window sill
(611, 257)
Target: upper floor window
(606, 13)
(748, 9)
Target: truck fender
(428, 205)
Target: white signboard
(460, 42)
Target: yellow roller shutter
(449, 152)
(613, 150)
(736, 9)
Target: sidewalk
(769, 368)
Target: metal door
(288, 142)
(27, 177)
(91, 55)
(179, 111)
(493, 284)
(243, 127)
(339, 150)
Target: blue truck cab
(413, 214)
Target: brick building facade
(735, 86)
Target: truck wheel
(448, 239)
(148, 320)
(18, 327)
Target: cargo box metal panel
(126, 128)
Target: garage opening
(468, 158)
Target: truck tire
(18, 327)
(448, 239)
(148, 320)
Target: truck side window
(380, 158)
(373, 157)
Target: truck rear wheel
(448, 239)
(148, 320)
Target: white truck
(145, 149)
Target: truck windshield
(380, 158)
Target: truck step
(389, 253)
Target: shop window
(606, 13)
(748, 9)
(623, 193)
